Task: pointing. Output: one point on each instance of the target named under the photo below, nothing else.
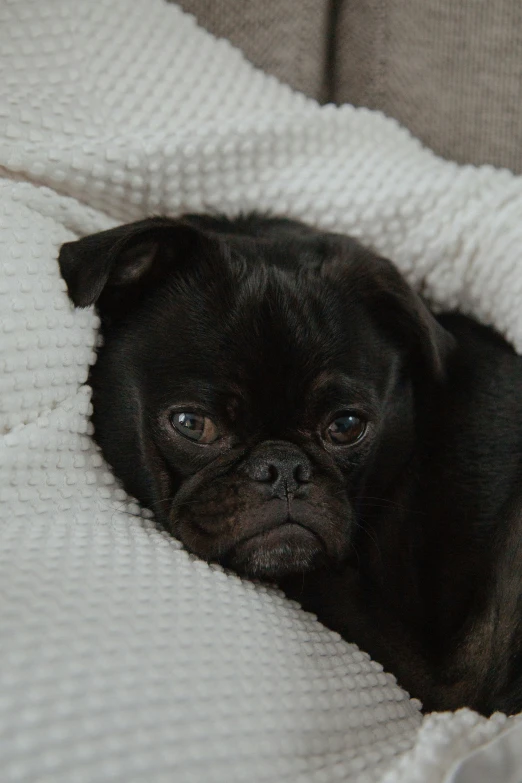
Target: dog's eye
(195, 427)
(346, 429)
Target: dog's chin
(286, 549)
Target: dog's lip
(284, 526)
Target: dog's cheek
(208, 523)
(162, 480)
(333, 518)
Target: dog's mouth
(286, 548)
(265, 539)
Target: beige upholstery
(449, 70)
(287, 38)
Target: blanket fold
(122, 657)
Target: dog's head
(257, 381)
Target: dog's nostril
(287, 475)
(272, 474)
(303, 474)
(265, 472)
(284, 472)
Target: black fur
(408, 541)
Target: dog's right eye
(346, 429)
(195, 427)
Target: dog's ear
(393, 305)
(116, 267)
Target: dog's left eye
(346, 429)
(195, 427)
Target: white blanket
(121, 657)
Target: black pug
(290, 408)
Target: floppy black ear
(117, 266)
(394, 305)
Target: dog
(290, 408)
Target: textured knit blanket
(122, 658)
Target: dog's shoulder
(477, 336)
(489, 364)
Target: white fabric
(122, 658)
(499, 759)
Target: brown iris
(195, 426)
(347, 428)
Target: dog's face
(257, 381)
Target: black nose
(282, 467)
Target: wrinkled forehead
(271, 339)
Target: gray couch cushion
(286, 38)
(449, 71)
